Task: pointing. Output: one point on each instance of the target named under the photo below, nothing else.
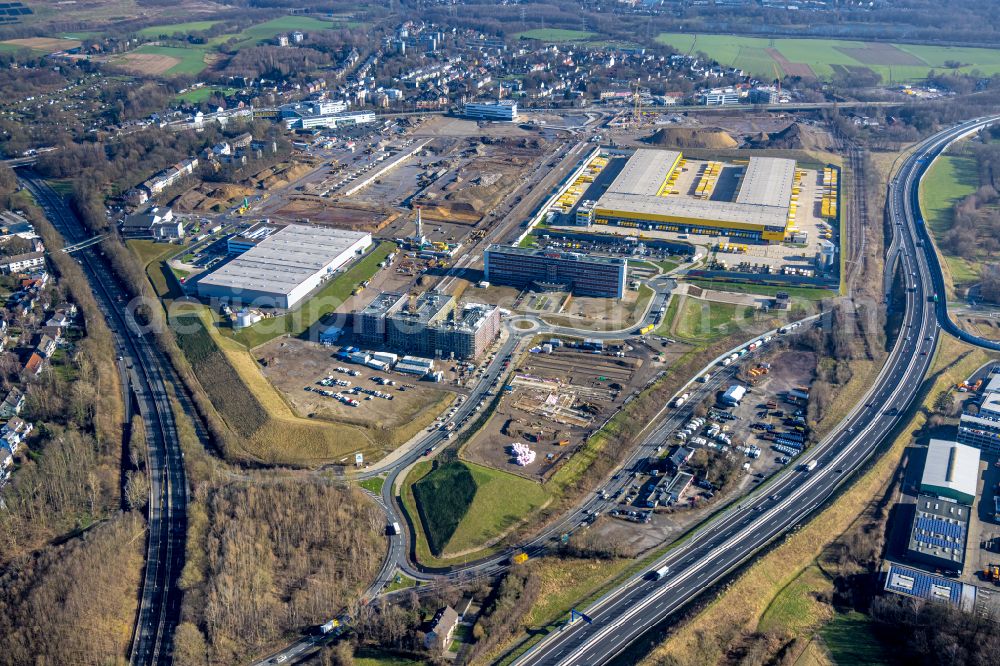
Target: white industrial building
(951, 471)
(499, 110)
(285, 267)
(733, 395)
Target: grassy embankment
(778, 592)
(950, 179)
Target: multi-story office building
(583, 274)
(499, 110)
(431, 324)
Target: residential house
(22, 262)
(34, 364)
(45, 347)
(15, 431)
(12, 404)
(442, 629)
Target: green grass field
(949, 179)
(501, 501)
(199, 95)
(262, 32)
(555, 35)
(174, 28)
(706, 321)
(443, 498)
(850, 639)
(192, 58)
(329, 297)
(894, 62)
(373, 485)
(369, 657)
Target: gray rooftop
(939, 529)
(425, 308)
(645, 172)
(567, 256)
(382, 303)
(284, 259)
(767, 181)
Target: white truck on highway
(809, 466)
(659, 573)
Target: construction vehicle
(992, 573)
(520, 558)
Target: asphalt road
(159, 608)
(628, 612)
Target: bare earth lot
(562, 397)
(292, 364)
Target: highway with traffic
(623, 616)
(159, 608)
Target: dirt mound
(793, 137)
(713, 138)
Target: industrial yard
(717, 456)
(306, 374)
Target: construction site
(560, 395)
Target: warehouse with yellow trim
(643, 196)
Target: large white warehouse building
(285, 267)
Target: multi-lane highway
(159, 608)
(628, 612)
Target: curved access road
(904, 208)
(159, 603)
(626, 614)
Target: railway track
(159, 608)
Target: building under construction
(431, 324)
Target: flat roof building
(250, 237)
(734, 394)
(431, 324)
(285, 267)
(583, 274)
(499, 110)
(938, 533)
(641, 196)
(951, 471)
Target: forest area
(272, 558)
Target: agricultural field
(164, 60)
(950, 179)
(169, 29)
(555, 35)
(821, 58)
(40, 44)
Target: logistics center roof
(645, 172)
(285, 259)
(763, 199)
